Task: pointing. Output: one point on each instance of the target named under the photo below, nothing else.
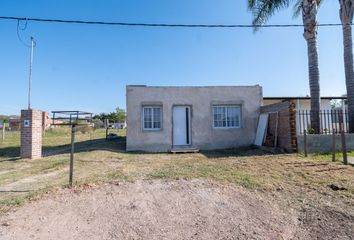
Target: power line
(166, 25)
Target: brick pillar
(31, 134)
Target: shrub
(84, 129)
(312, 131)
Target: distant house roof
(303, 98)
(14, 120)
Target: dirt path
(160, 210)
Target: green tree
(120, 115)
(101, 116)
(4, 118)
(346, 17)
(263, 9)
(117, 116)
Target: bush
(84, 129)
(312, 131)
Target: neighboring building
(289, 117)
(55, 122)
(116, 125)
(14, 123)
(160, 119)
(303, 108)
(120, 125)
(302, 103)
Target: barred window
(227, 116)
(152, 118)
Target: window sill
(226, 128)
(152, 130)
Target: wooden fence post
(276, 131)
(333, 146)
(305, 143)
(3, 131)
(107, 126)
(344, 148)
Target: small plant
(311, 131)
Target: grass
(98, 160)
(328, 156)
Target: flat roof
(211, 86)
(302, 98)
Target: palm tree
(346, 17)
(263, 9)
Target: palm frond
(262, 10)
(298, 9)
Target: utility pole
(30, 74)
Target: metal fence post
(344, 148)
(333, 146)
(305, 143)
(72, 155)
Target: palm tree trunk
(309, 16)
(314, 82)
(349, 73)
(346, 16)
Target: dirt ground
(171, 209)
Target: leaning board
(261, 129)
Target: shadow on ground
(119, 145)
(12, 153)
(241, 152)
(113, 145)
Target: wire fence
(330, 121)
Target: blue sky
(86, 67)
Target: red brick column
(31, 134)
(286, 124)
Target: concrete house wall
(200, 100)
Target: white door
(262, 129)
(181, 126)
